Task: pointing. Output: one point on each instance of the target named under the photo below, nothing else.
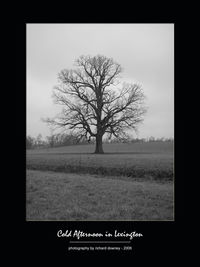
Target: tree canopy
(94, 101)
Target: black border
(160, 238)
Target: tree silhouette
(93, 104)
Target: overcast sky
(145, 52)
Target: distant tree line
(136, 140)
(54, 140)
(57, 140)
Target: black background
(160, 239)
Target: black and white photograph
(100, 122)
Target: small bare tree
(93, 105)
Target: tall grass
(144, 161)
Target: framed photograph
(100, 168)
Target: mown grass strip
(58, 196)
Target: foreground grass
(67, 196)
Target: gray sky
(145, 52)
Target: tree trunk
(99, 145)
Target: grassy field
(140, 160)
(61, 196)
(128, 182)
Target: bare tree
(93, 103)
